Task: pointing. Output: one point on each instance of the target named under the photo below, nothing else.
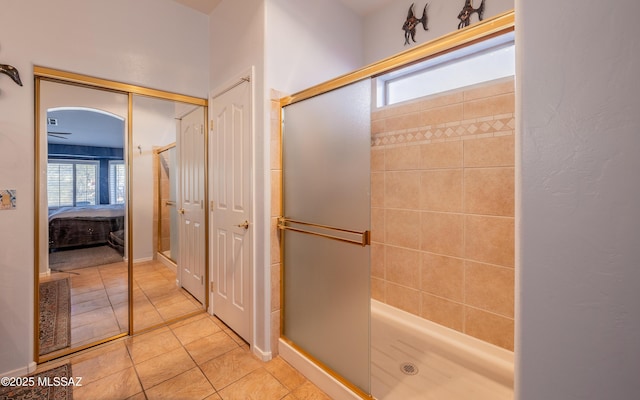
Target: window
(481, 62)
(117, 182)
(72, 183)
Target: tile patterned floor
(197, 358)
(156, 298)
(99, 299)
(201, 358)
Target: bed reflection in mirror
(83, 283)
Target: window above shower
(480, 62)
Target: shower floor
(397, 353)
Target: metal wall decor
(12, 72)
(467, 12)
(410, 24)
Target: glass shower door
(326, 224)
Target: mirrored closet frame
(53, 75)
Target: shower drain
(408, 368)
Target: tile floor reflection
(99, 300)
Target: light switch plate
(7, 199)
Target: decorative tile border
(497, 125)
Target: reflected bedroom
(93, 227)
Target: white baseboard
(262, 355)
(328, 384)
(21, 371)
(166, 262)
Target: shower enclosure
(408, 207)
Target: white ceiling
(361, 7)
(85, 127)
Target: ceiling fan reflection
(59, 135)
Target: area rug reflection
(55, 315)
(65, 260)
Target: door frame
(247, 74)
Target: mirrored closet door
(120, 221)
(83, 287)
(167, 179)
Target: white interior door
(231, 207)
(191, 168)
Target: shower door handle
(364, 237)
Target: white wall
(578, 215)
(309, 42)
(129, 41)
(383, 34)
(153, 126)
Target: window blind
(72, 183)
(117, 182)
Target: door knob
(181, 211)
(244, 225)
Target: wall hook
(12, 72)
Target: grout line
(135, 370)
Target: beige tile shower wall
(165, 196)
(161, 219)
(442, 188)
(276, 211)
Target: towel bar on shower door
(365, 236)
